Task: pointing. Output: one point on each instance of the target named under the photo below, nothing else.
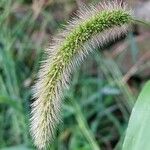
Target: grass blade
(138, 133)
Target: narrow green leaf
(11, 102)
(19, 147)
(138, 131)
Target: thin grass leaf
(8, 101)
(19, 147)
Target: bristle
(92, 27)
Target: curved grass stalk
(142, 22)
(93, 26)
(84, 128)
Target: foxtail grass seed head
(93, 26)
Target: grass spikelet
(93, 26)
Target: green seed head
(94, 26)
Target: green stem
(84, 127)
(142, 22)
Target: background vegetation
(103, 90)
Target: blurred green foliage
(97, 105)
